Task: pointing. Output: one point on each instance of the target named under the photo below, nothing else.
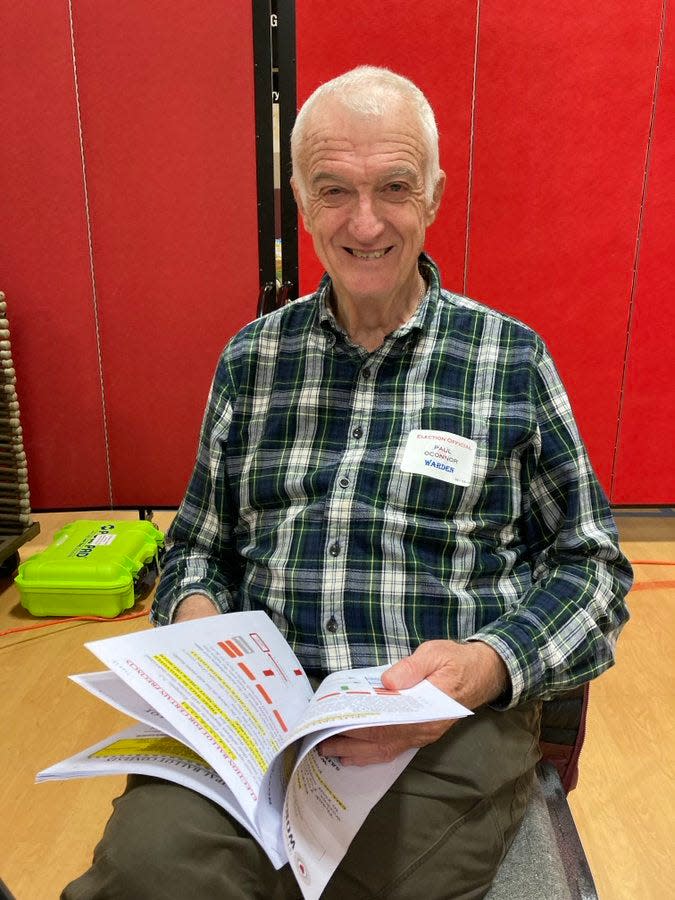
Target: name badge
(440, 454)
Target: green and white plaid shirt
(298, 504)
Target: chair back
(563, 729)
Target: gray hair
(371, 91)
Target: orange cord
(650, 562)
(136, 615)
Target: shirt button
(344, 482)
(357, 432)
(332, 625)
(366, 374)
(334, 549)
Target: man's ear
(300, 204)
(439, 188)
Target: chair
(546, 860)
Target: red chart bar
(280, 720)
(264, 693)
(236, 650)
(245, 669)
(224, 646)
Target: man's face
(365, 203)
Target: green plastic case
(92, 568)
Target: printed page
(345, 700)
(110, 687)
(326, 802)
(229, 684)
(356, 698)
(147, 751)
(269, 812)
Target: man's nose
(365, 222)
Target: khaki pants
(440, 832)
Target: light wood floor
(624, 803)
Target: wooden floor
(624, 804)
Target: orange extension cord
(136, 615)
(144, 612)
(650, 562)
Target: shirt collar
(416, 324)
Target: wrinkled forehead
(334, 134)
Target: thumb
(409, 671)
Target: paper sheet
(147, 751)
(232, 670)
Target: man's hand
(471, 673)
(196, 606)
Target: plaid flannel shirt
(298, 504)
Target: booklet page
(357, 698)
(230, 684)
(326, 802)
(110, 687)
(147, 751)
(231, 690)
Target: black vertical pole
(287, 110)
(262, 68)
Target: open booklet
(225, 708)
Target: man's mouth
(371, 254)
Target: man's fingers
(415, 668)
(404, 674)
(357, 741)
(355, 761)
(381, 743)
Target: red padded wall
(560, 131)
(44, 260)
(167, 118)
(563, 107)
(168, 122)
(645, 472)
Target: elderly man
(393, 473)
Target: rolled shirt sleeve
(564, 628)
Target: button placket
(362, 403)
(339, 517)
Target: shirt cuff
(522, 661)
(164, 609)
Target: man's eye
(333, 192)
(396, 187)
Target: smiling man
(366, 198)
(393, 473)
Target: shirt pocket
(429, 498)
(491, 501)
